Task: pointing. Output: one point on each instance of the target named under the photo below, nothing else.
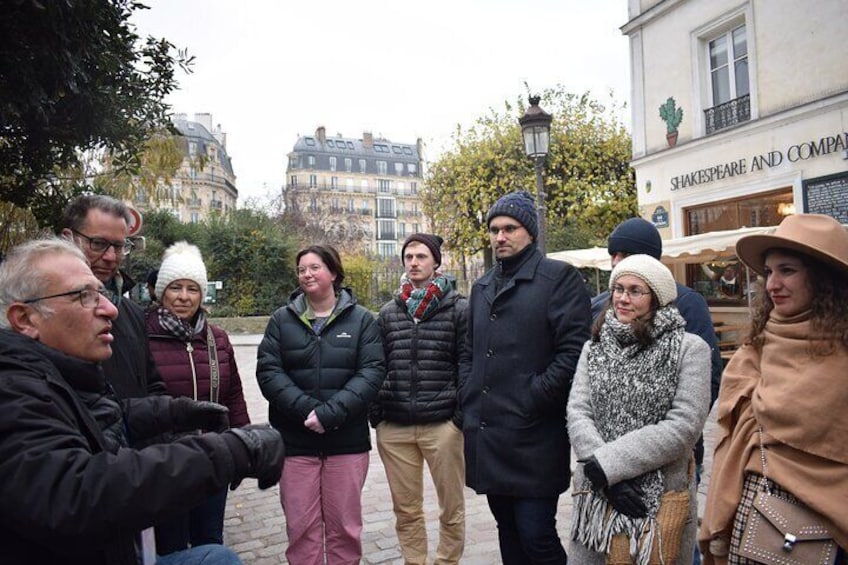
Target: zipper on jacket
(189, 350)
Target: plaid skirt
(752, 486)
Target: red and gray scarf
(422, 301)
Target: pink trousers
(322, 501)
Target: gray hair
(77, 210)
(20, 275)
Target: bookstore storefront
(753, 176)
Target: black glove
(188, 415)
(595, 473)
(258, 452)
(626, 497)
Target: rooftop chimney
(367, 140)
(321, 134)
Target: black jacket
(336, 372)
(131, 370)
(71, 492)
(422, 362)
(515, 375)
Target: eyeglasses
(508, 230)
(312, 269)
(100, 245)
(635, 292)
(89, 298)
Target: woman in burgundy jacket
(179, 337)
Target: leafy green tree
(75, 80)
(589, 183)
(248, 251)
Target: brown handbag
(783, 532)
(671, 521)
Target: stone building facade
(362, 192)
(740, 117)
(205, 183)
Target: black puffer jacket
(70, 491)
(422, 363)
(336, 372)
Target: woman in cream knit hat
(639, 401)
(185, 347)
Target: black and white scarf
(631, 386)
(182, 329)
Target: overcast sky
(270, 70)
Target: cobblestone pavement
(254, 526)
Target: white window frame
(699, 40)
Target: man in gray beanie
(528, 319)
(639, 236)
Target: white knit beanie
(181, 261)
(655, 274)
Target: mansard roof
(197, 132)
(350, 147)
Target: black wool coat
(515, 376)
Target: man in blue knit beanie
(528, 318)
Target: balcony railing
(216, 204)
(728, 114)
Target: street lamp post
(536, 129)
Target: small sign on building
(660, 217)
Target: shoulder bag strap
(763, 460)
(214, 374)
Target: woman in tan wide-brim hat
(787, 384)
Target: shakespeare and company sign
(792, 154)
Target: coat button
(482, 425)
(490, 353)
(486, 389)
(493, 317)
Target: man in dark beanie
(432, 242)
(639, 236)
(416, 413)
(527, 323)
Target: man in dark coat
(527, 323)
(99, 226)
(73, 490)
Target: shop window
(725, 281)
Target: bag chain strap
(763, 459)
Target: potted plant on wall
(672, 116)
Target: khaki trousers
(403, 450)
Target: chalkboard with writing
(827, 195)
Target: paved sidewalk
(255, 527)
